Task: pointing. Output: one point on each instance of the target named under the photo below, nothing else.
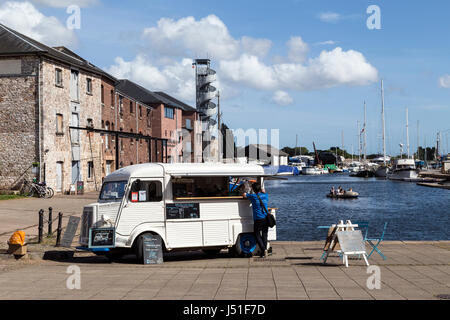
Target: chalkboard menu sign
(69, 234)
(101, 238)
(182, 211)
(152, 249)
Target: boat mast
(365, 134)
(383, 123)
(359, 142)
(407, 132)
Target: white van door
(184, 229)
(144, 205)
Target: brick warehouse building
(43, 91)
(171, 119)
(46, 92)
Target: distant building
(264, 154)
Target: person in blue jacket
(261, 227)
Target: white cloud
(282, 98)
(240, 62)
(328, 42)
(297, 49)
(66, 3)
(444, 81)
(26, 19)
(330, 17)
(331, 68)
(177, 78)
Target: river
(412, 212)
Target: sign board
(69, 234)
(80, 187)
(351, 241)
(134, 197)
(101, 238)
(182, 211)
(152, 249)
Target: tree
(295, 151)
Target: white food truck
(189, 206)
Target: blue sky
(410, 53)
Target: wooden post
(58, 233)
(41, 225)
(50, 214)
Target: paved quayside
(414, 270)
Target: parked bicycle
(40, 190)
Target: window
(131, 107)
(140, 111)
(200, 187)
(58, 78)
(107, 136)
(188, 124)
(90, 169)
(169, 112)
(113, 190)
(59, 124)
(112, 99)
(149, 118)
(74, 86)
(103, 95)
(90, 123)
(146, 191)
(89, 85)
(120, 105)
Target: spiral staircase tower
(206, 92)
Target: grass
(10, 196)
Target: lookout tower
(204, 77)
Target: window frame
(89, 86)
(59, 83)
(168, 115)
(159, 188)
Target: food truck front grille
(86, 224)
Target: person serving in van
(259, 199)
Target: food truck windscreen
(112, 191)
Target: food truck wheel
(245, 245)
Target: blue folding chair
(378, 241)
(364, 226)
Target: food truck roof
(154, 170)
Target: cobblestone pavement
(413, 270)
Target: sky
(300, 66)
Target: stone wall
(58, 147)
(19, 115)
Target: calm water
(413, 212)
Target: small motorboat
(346, 195)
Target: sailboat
(405, 169)
(383, 169)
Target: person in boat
(340, 191)
(333, 191)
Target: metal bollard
(58, 233)
(41, 225)
(50, 213)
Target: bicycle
(41, 190)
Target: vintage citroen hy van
(188, 206)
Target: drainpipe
(40, 117)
